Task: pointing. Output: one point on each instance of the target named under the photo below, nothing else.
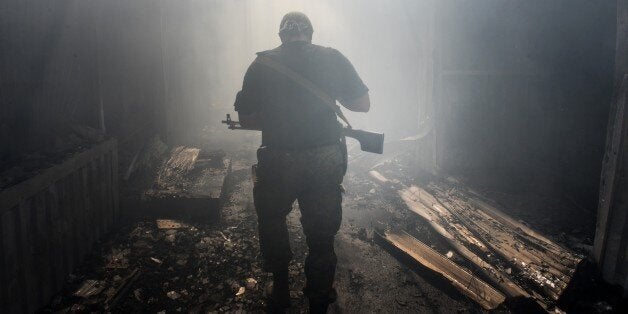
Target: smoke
(379, 37)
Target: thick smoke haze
(505, 88)
(379, 37)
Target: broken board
(188, 184)
(476, 229)
(470, 285)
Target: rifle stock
(369, 141)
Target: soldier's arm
(349, 88)
(360, 104)
(248, 100)
(250, 121)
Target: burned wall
(523, 90)
(67, 62)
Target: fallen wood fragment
(123, 289)
(537, 266)
(566, 258)
(471, 286)
(497, 277)
(464, 226)
(90, 288)
(169, 224)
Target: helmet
(295, 23)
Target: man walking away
(302, 156)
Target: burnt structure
(520, 97)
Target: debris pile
(506, 254)
(174, 265)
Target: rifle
(369, 141)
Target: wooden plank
(538, 265)
(462, 228)
(497, 277)
(471, 286)
(558, 252)
(379, 178)
(497, 222)
(181, 161)
(24, 190)
(514, 224)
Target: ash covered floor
(213, 265)
(202, 266)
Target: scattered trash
(122, 290)
(240, 292)
(169, 224)
(603, 307)
(173, 295)
(182, 262)
(251, 284)
(156, 260)
(450, 254)
(118, 259)
(141, 244)
(77, 308)
(138, 294)
(89, 288)
(225, 237)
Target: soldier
(302, 156)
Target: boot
(318, 306)
(279, 296)
(319, 303)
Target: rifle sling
(304, 82)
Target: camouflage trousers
(313, 177)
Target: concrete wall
(61, 61)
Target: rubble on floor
(175, 265)
(187, 182)
(169, 265)
(505, 252)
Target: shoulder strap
(304, 82)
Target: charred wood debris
(179, 261)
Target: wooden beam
(544, 264)
(497, 277)
(471, 286)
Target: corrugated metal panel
(49, 222)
